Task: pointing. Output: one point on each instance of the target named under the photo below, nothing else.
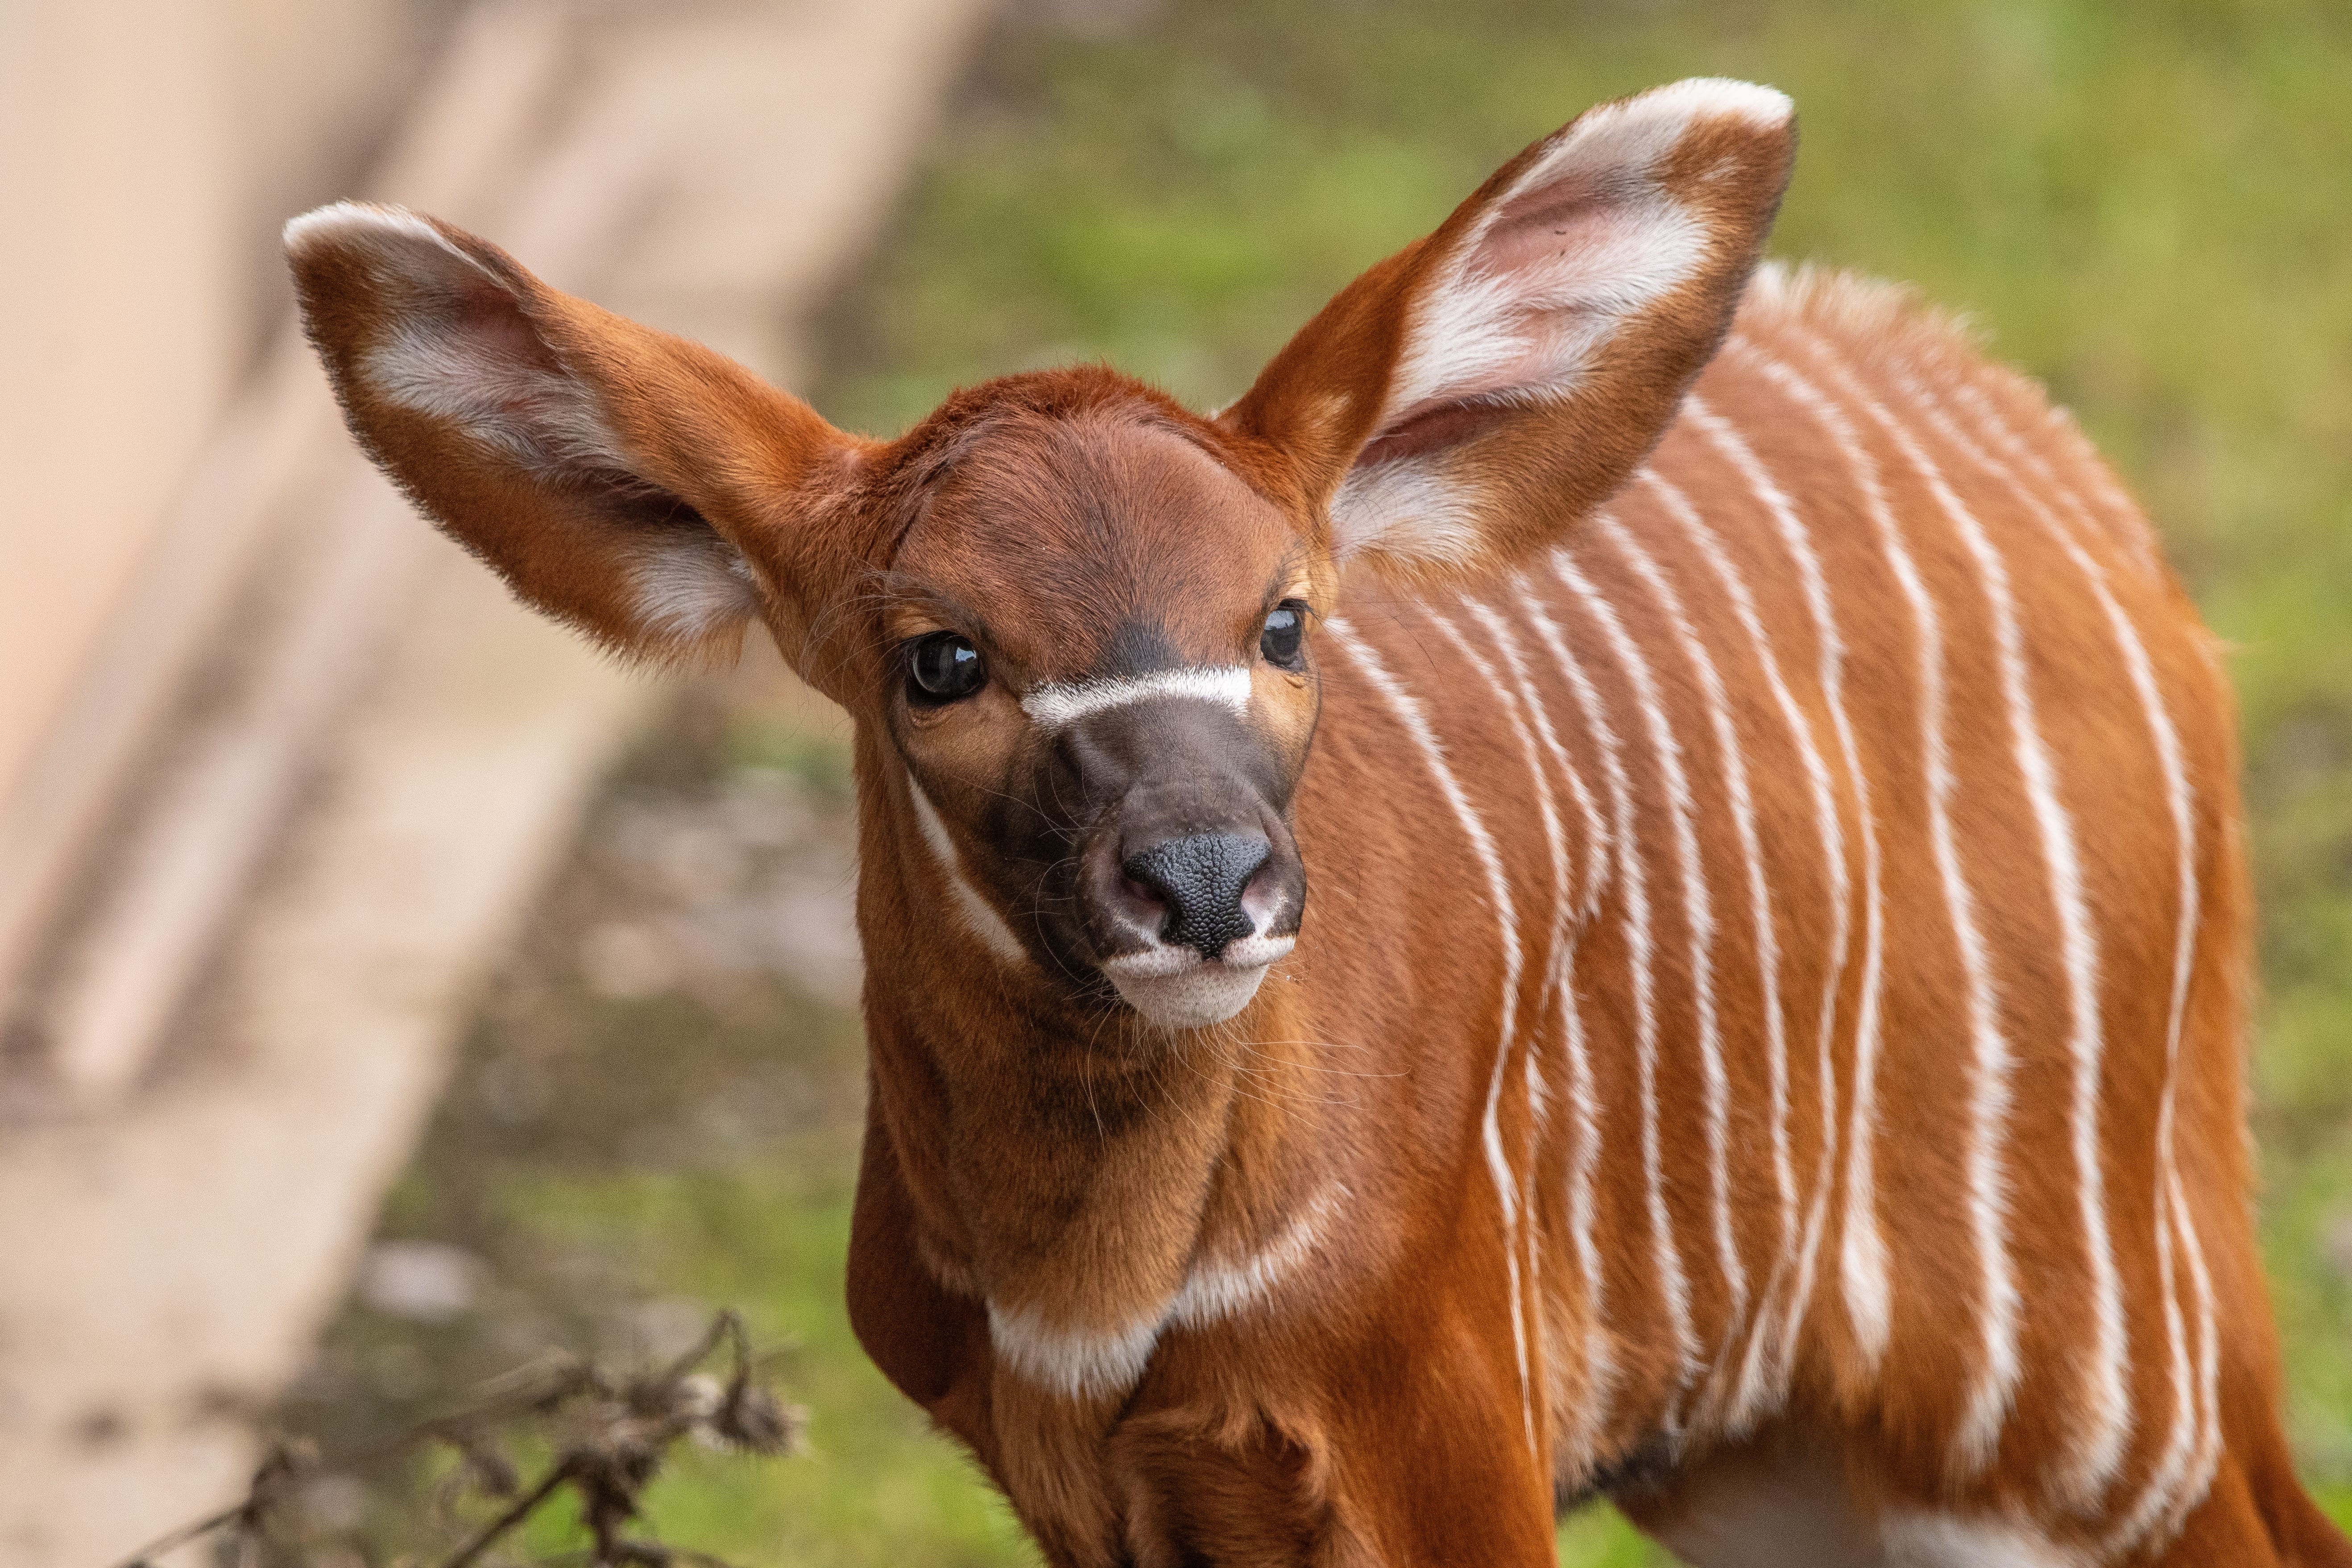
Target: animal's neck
(1071, 1166)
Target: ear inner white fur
(463, 351)
(1586, 237)
(692, 586)
(482, 370)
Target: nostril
(1201, 878)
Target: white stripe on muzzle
(1056, 705)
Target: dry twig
(609, 1435)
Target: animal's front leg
(1388, 1448)
(1225, 1488)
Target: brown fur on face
(1107, 536)
(1105, 510)
(1766, 1036)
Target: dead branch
(609, 1435)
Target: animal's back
(1849, 817)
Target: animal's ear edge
(644, 490)
(1461, 402)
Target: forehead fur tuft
(1041, 395)
(1034, 404)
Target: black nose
(1200, 878)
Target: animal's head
(1082, 617)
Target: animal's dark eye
(1285, 633)
(942, 668)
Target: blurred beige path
(287, 766)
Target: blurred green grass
(875, 1491)
(2146, 205)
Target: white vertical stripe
(1862, 1251)
(1987, 1202)
(1596, 831)
(2172, 1208)
(1767, 941)
(1554, 839)
(1673, 1285)
(1584, 1104)
(1538, 1099)
(2209, 1349)
(2165, 1492)
(2164, 1482)
(1583, 1098)
(1710, 1036)
(1408, 714)
(1599, 1357)
(2184, 1471)
(2094, 1459)
(1661, 739)
(979, 916)
(1759, 1376)
(1989, 1399)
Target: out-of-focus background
(394, 991)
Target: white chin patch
(1176, 988)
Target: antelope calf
(1767, 1044)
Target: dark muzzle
(1201, 879)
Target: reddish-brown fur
(1034, 1145)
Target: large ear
(649, 491)
(1462, 403)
